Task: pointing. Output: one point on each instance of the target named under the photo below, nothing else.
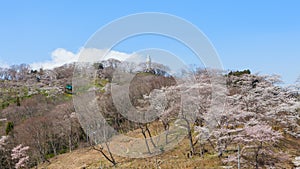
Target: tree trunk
(70, 143)
(70, 137)
(110, 159)
(191, 140)
(167, 133)
(190, 137)
(201, 150)
(149, 133)
(145, 137)
(53, 147)
(256, 160)
(166, 127)
(256, 155)
(110, 154)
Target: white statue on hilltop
(148, 63)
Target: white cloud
(62, 56)
(92, 55)
(59, 57)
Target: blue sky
(263, 36)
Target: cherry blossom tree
(295, 88)
(269, 102)
(3, 140)
(257, 140)
(5, 150)
(229, 125)
(203, 135)
(19, 153)
(164, 103)
(259, 99)
(251, 97)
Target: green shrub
(239, 73)
(62, 151)
(9, 127)
(4, 105)
(49, 155)
(18, 101)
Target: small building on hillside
(68, 89)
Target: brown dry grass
(88, 158)
(175, 158)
